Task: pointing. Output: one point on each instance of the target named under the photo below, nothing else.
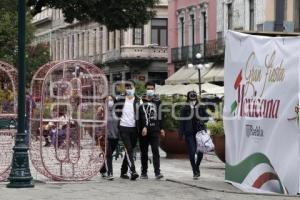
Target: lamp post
(20, 176)
(201, 65)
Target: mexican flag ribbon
(233, 106)
(238, 80)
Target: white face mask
(110, 103)
(130, 92)
(150, 93)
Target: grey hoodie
(112, 125)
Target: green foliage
(140, 88)
(170, 121)
(36, 57)
(115, 14)
(216, 128)
(9, 31)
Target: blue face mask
(150, 93)
(110, 104)
(130, 92)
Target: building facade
(192, 30)
(138, 53)
(258, 15)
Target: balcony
(44, 16)
(136, 53)
(186, 53)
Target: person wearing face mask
(193, 118)
(151, 125)
(112, 137)
(126, 111)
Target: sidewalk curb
(227, 191)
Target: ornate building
(138, 53)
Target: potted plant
(216, 130)
(172, 144)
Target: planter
(173, 145)
(219, 142)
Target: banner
(261, 113)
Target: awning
(206, 88)
(215, 74)
(187, 75)
(182, 76)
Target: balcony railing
(136, 53)
(43, 16)
(187, 53)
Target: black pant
(192, 148)
(111, 147)
(129, 138)
(151, 138)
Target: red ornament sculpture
(8, 110)
(68, 125)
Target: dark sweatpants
(192, 148)
(111, 147)
(129, 138)
(152, 139)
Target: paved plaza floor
(177, 184)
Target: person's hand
(144, 131)
(162, 133)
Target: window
(181, 31)
(251, 14)
(138, 35)
(229, 15)
(159, 32)
(192, 29)
(114, 40)
(204, 26)
(158, 77)
(107, 40)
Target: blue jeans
(190, 141)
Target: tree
(115, 14)
(36, 56)
(9, 30)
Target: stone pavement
(178, 184)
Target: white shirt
(128, 119)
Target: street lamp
(199, 67)
(20, 176)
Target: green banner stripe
(233, 106)
(239, 172)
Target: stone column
(80, 49)
(97, 41)
(86, 43)
(76, 46)
(70, 46)
(61, 49)
(92, 35)
(104, 39)
(147, 34)
(66, 46)
(57, 49)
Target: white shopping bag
(204, 142)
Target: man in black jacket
(151, 128)
(126, 110)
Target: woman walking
(193, 119)
(112, 138)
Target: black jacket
(119, 105)
(150, 115)
(196, 122)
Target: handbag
(204, 142)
